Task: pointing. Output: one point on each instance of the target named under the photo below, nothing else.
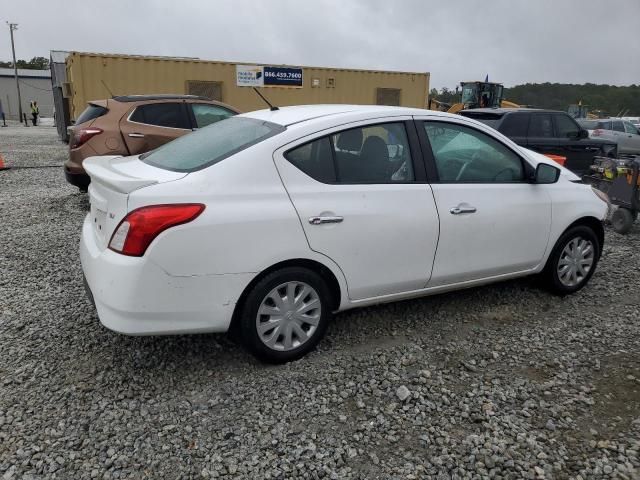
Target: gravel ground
(503, 381)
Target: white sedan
(269, 222)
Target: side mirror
(580, 134)
(546, 174)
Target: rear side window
(541, 126)
(617, 126)
(515, 125)
(169, 115)
(377, 153)
(91, 113)
(315, 159)
(211, 144)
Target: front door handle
(321, 220)
(462, 209)
(136, 135)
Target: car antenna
(108, 90)
(271, 107)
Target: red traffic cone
(3, 166)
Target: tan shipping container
(93, 76)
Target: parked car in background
(548, 132)
(623, 132)
(635, 121)
(268, 222)
(135, 124)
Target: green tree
(36, 63)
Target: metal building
(91, 76)
(35, 85)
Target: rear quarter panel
(249, 223)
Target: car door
(363, 201)
(579, 150)
(631, 138)
(492, 221)
(151, 125)
(541, 137)
(618, 134)
(203, 114)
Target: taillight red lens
(80, 137)
(596, 133)
(141, 226)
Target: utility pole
(12, 27)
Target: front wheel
(622, 220)
(572, 261)
(285, 315)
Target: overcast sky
(513, 41)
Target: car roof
(502, 111)
(162, 96)
(301, 113)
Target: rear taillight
(139, 228)
(80, 137)
(596, 133)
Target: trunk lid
(113, 178)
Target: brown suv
(134, 124)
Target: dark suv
(546, 132)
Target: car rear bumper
(134, 296)
(80, 180)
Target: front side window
(372, 154)
(169, 115)
(211, 144)
(629, 128)
(566, 127)
(205, 114)
(540, 126)
(465, 155)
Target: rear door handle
(462, 209)
(136, 135)
(321, 220)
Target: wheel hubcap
(575, 261)
(288, 316)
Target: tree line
(611, 100)
(36, 63)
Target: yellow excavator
(476, 94)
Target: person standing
(34, 112)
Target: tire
(561, 257)
(293, 334)
(622, 220)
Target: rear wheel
(573, 260)
(622, 220)
(285, 315)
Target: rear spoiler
(104, 170)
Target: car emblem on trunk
(112, 215)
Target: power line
(33, 86)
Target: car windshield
(211, 144)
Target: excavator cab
(481, 94)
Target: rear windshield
(211, 144)
(90, 113)
(491, 119)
